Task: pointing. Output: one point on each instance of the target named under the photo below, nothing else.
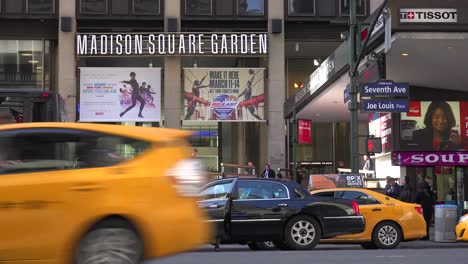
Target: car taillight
(419, 210)
(189, 176)
(355, 206)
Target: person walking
(406, 194)
(424, 199)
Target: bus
(18, 106)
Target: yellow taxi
(94, 193)
(461, 229)
(388, 221)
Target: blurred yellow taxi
(94, 193)
(461, 229)
(388, 221)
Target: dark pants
(428, 219)
(134, 99)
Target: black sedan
(253, 210)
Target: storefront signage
(437, 158)
(224, 94)
(380, 126)
(322, 74)
(164, 44)
(385, 105)
(428, 15)
(304, 131)
(385, 89)
(120, 94)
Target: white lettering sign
(252, 44)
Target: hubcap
(388, 235)
(303, 233)
(269, 244)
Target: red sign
(304, 131)
(415, 109)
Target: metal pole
(353, 105)
(294, 140)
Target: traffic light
(374, 145)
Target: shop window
(41, 6)
(361, 7)
(24, 64)
(198, 7)
(146, 7)
(14, 6)
(250, 7)
(91, 7)
(301, 7)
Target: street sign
(385, 105)
(347, 93)
(385, 88)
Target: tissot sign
(245, 44)
(428, 15)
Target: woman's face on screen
(439, 120)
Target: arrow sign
(385, 89)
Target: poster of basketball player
(224, 94)
(120, 94)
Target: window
(359, 197)
(360, 7)
(248, 190)
(325, 194)
(301, 7)
(90, 7)
(32, 150)
(146, 7)
(198, 8)
(250, 7)
(41, 6)
(218, 191)
(24, 64)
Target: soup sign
(413, 158)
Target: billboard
(120, 94)
(330, 181)
(380, 126)
(435, 126)
(224, 94)
(304, 131)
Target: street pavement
(415, 252)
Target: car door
(217, 203)
(259, 208)
(372, 210)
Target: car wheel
(110, 245)
(302, 233)
(386, 235)
(368, 245)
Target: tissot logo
(426, 15)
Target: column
(172, 105)
(66, 61)
(276, 88)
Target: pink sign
(415, 158)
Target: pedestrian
(194, 153)
(268, 173)
(392, 189)
(250, 168)
(424, 199)
(406, 194)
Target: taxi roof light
(188, 176)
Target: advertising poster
(304, 132)
(435, 126)
(224, 94)
(330, 181)
(380, 126)
(120, 94)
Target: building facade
(252, 53)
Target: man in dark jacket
(406, 194)
(268, 173)
(424, 199)
(392, 189)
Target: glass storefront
(25, 64)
